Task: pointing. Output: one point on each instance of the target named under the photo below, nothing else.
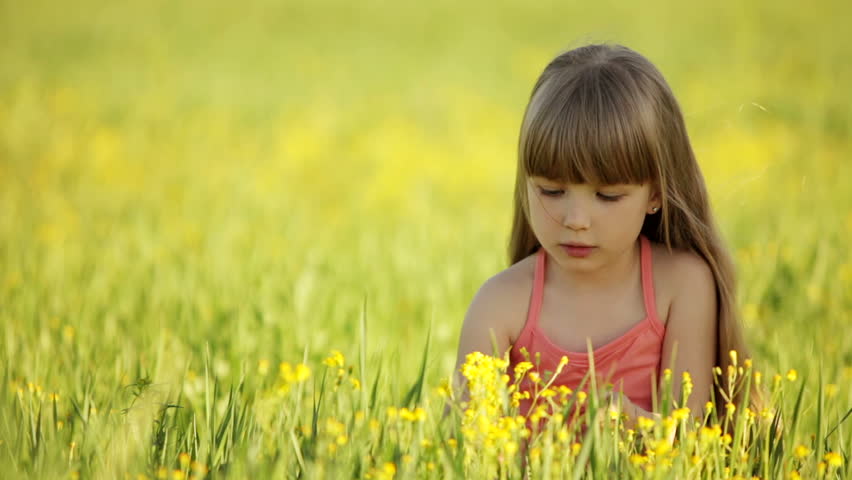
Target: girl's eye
(608, 198)
(550, 193)
(556, 193)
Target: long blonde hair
(605, 114)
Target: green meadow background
(203, 190)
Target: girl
(612, 242)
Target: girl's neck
(616, 273)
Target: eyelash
(605, 198)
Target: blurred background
(246, 177)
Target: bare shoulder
(500, 305)
(680, 275)
(505, 296)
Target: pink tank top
(631, 360)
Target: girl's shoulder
(504, 298)
(673, 270)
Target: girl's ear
(654, 199)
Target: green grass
(191, 195)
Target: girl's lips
(578, 251)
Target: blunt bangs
(592, 127)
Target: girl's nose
(576, 217)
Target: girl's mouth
(578, 251)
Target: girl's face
(607, 218)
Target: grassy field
(201, 203)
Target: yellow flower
(535, 453)
(660, 447)
(263, 367)
(831, 390)
(511, 447)
(522, 368)
(834, 459)
(334, 427)
(686, 385)
(199, 468)
(645, 423)
(801, 451)
(709, 434)
(416, 415)
(733, 355)
(613, 414)
(303, 372)
(336, 359)
(184, 460)
(681, 414)
(792, 375)
(443, 389)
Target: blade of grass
(416, 391)
(362, 358)
(819, 445)
(796, 413)
(848, 412)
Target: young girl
(613, 241)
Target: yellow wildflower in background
(336, 359)
(802, 451)
(831, 390)
(834, 459)
(263, 367)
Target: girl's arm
(491, 314)
(691, 330)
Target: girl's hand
(617, 403)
